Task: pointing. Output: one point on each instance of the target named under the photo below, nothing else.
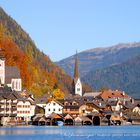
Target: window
(78, 89)
(54, 109)
(83, 111)
(19, 106)
(53, 103)
(66, 103)
(59, 109)
(49, 109)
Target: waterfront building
(25, 110)
(14, 108)
(53, 107)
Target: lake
(70, 133)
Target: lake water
(70, 133)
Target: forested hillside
(38, 73)
(125, 76)
(115, 67)
(99, 58)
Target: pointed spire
(76, 70)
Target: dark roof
(72, 107)
(12, 95)
(129, 105)
(11, 72)
(113, 103)
(43, 99)
(53, 115)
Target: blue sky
(60, 27)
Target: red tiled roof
(113, 94)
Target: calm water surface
(70, 133)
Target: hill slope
(99, 58)
(115, 67)
(125, 76)
(39, 74)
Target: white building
(2, 70)
(25, 110)
(78, 87)
(10, 76)
(53, 106)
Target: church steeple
(76, 80)
(76, 69)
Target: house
(39, 120)
(55, 119)
(71, 106)
(8, 105)
(68, 119)
(25, 110)
(53, 107)
(87, 108)
(136, 110)
(82, 121)
(116, 105)
(14, 106)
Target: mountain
(38, 72)
(125, 76)
(115, 67)
(99, 58)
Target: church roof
(10, 73)
(76, 69)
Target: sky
(60, 27)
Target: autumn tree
(57, 94)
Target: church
(9, 75)
(76, 80)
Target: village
(19, 107)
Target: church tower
(2, 67)
(77, 82)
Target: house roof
(85, 119)
(43, 99)
(115, 117)
(10, 73)
(129, 105)
(91, 94)
(113, 94)
(12, 95)
(8, 94)
(55, 101)
(113, 103)
(72, 107)
(67, 116)
(54, 115)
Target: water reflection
(70, 133)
